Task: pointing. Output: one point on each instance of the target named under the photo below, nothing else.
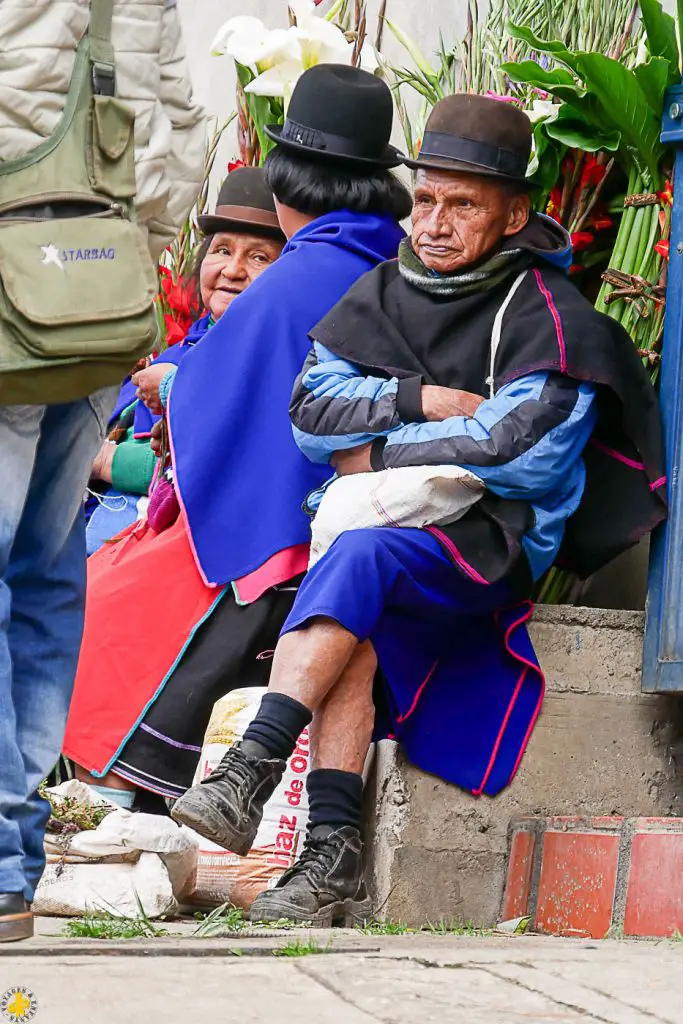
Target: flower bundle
(270, 61)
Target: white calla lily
(243, 26)
(303, 11)
(321, 43)
(280, 47)
(278, 81)
(543, 110)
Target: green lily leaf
(544, 168)
(586, 105)
(623, 105)
(572, 130)
(532, 73)
(553, 46)
(653, 79)
(660, 29)
(619, 93)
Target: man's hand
(104, 460)
(353, 460)
(442, 403)
(155, 438)
(148, 381)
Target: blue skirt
(462, 687)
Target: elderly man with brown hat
(473, 352)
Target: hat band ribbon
(471, 151)
(313, 139)
(248, 215)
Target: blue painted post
(663, 655)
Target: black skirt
(233, 649)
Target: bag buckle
(104, 79)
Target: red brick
(518, 881)
(577, 884)
(659, 825)
(654, 900)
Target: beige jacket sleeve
(38, 40)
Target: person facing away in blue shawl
(240, 478)
(242, 238)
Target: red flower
(174, 331)
(592, 173)
(554, 203)
(235, 164)
(575, 268)
(666, 197)
(663, 249)
(601, 223)
(179, 297)
(568, 164)
(581, 240)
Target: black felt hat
(245, 203)
(477, 135)
(339, 113)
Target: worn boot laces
(235, 767)
(317, 857)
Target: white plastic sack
(104, 868)
(410, 496)
(223, 877)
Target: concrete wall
(600, 748)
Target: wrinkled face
(233, 261)
(459, 218)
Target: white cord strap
(497, 328)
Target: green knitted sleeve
(133, 466)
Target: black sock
(334, 798)
(278, 724)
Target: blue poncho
(240, 477)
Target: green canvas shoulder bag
(77, 283)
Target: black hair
(317, 187)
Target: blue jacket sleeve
(521, 443)
(335, 407)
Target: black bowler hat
(339, 113)
(245, 203)
(477, 135)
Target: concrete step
(600, 748)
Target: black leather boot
(16, 918)
(227, 807)
(325, 886)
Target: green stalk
(621, 243)
(644, 223)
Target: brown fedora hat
(477, 135)
(245, 203)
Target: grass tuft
(298, 948)
(224, 920)
(442, 927)
(105, 925)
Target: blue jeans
(46, 453)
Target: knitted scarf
(483, 278)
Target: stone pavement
(360, 979)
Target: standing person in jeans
(47, 450)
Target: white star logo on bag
(51, 255)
